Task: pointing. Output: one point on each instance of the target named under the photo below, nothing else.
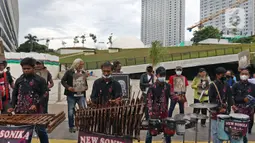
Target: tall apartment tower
(9, 24)
(163, 20)
(210, 7)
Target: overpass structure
(184, 63)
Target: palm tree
(156, 52)
(75, 40)
(83, 39)
(63, 43)
(94, 37)
(110, 40)
(31, 40)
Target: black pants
(203, 111)
(45, 107)
(251, 124)
(146, 108)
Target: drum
(180, 127)
(238, 128)
(222, 135)
(154, 126)
(145, 125)
(169, 126)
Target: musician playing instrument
(200, 84)
(240, 92)
(219, 93)
(179, 85)
(158, 100)
(28, 95)
(106, 89)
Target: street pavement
(61, 132)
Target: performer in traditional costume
(219, 93)
(106, 89)
(75, 83)
(158, 100)
(146, 80)
(6, 82)
(200, 84)
(241, 90)
(28, 95)
(179, 85)
(41, 70)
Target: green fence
(169, 57)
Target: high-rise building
(9, 24)
(210, 7)
(164, 21)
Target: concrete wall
(13, 59)
(183, 63)
(69, 51)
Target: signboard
(244, 59)
(16, 134)
(124, 81)
(236, 129)
(85, 137)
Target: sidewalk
(62, 135)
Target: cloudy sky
(68, 18)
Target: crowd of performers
(229, 94)
(28, 94)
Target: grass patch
(140, 56)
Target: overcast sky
(64, 18)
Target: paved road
(61, 132)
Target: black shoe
(72, 130)
(203, 125)
(249, 132)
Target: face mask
(228, 76)
(223, 78)
(161, 79)
(178, 72)
(106, 76)
(244, 77)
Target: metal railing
(167, 57)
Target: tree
(83, 39)
(75, 40)
(31, 40)
(244, 40)
(110, 40)
(63, 43)
(25, 47)
(205, 33)
(94, 37)
(156, 52)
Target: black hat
(161, 71)
(220, 70)
(202, 70)
(39, 62)
(178, 68)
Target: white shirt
(252, 80)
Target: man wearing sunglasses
(106, 89)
